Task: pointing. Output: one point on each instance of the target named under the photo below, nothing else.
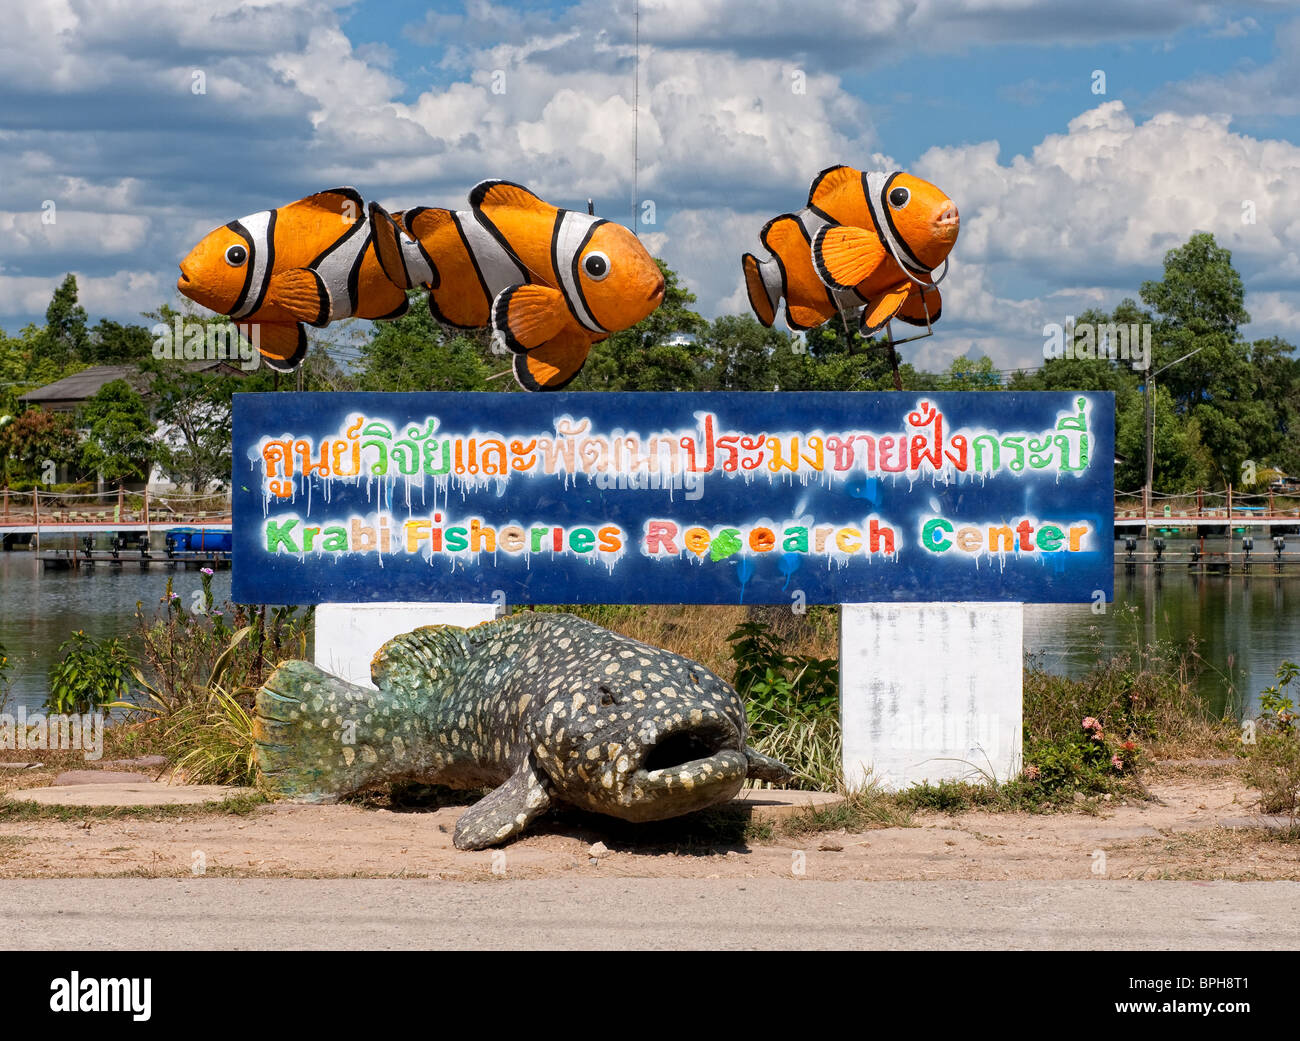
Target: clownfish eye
(236, 255)
(596, 265)
(899, 198)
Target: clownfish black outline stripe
(260, 263)
(242, 232)
(586, 318)
(476, 196)
(912, 260)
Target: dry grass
(700, 632)
(1209, 854)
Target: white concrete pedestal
(930, 691)
(348, 635)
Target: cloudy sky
(1080, 141)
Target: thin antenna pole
(636, 110)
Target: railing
(1228, 505)
(42, 509)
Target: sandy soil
(1192, 831)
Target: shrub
(1273, 759)
(90, 674)
(180, 647)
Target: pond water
(1243, 627)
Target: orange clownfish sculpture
(868, 241)
(310, 262)
(549, 282)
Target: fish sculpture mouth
(684, 771)
(947, 224)
(658, 292)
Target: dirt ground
(1201, 825)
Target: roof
(84, 385)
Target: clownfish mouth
(949, 220)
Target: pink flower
(1117, 762)
(1098, 736)
(1031, 773)
(206, 570)
(1090, 724)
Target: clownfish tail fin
(763, 283)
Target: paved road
(633, 913)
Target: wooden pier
(130, 560)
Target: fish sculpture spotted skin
(546, 709)
(308, 263)
(549, 282)
(867, 241)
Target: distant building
(71, 393)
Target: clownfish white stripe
(258, 230)
(419, 268)
(493, 263)
(572, 232)
(338, 267)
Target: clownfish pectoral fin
(554, 364)
(844, 256)
(920, 303)
(301, 292)
(388, 246)
(763, 283)
(282, 345)
(528, 316)
(878, 312)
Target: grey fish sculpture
(544, 708)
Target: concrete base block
(931, 691)
(348, 635)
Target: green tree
(194, 410)
(1199, 306)
(110, 343)
(119, 433)
(414, 352)
(1182, 464)
(33, 440)
(65, 339)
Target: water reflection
(1244, 626)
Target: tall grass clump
(198, 672)
(792, 705)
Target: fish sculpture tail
(318, 735)
(763, 283)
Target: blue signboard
(768, 498)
